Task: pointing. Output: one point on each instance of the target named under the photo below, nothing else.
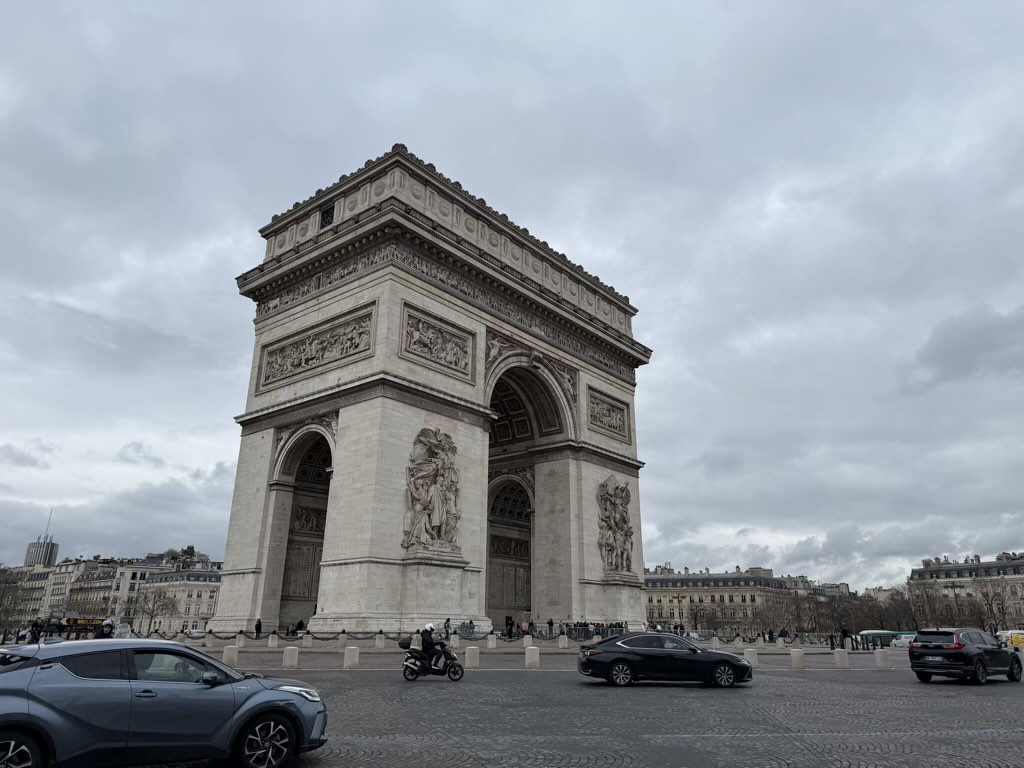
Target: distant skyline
(817, 209)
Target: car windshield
(946, 638)
(236, 675)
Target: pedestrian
(259, 628)
(471, 629)
(551, 628)
(447, 629)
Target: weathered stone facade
(439, 397)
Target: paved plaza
(503, 715)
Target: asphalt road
(503, 716)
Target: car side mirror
(212, 678)
(1003, 644)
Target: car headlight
(307, 693)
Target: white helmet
(429, 627)
(108, 623)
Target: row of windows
(713, 583)
(971, 574)
(660, 614)
(700, 599)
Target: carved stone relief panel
(308, 520)
(335, 343)
(615, 534)
(437, 344)
(432, 513)
(509, 548)
(498, 346)
(605, 414)
(568, 379)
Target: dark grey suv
(124, 702)
(965, 652)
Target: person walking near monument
(447, 629)
(259, 628)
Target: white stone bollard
(455, 641)
(307, 641)
(417, 641)
(273, 641)
(351, 657)
(881, 658)
(596, 639)
(842, 657)
(231, 655)
(563, 641)
(378, 641)
(240, 640)
(492, 641)
(342, 641)
(796, 657)
(533, 657)
(527, 641)
(760, 642)
(780, 642)
(715, 643)
(472, 657)
(750, 654)
(291, 657)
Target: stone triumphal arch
(439, 421)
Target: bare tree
(149, 604)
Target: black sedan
(658, 656)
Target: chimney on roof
(686, 569)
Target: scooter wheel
(409, 674)
(455, 672)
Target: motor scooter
(418, 664)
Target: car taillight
(916, 645)
(590, 652)
(958, 645)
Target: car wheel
(267, 742)
(18, 750)
(409, 673)
(980, 675)
(924, 677)
(723, 676)
(455, 671)
(1014, 672)
(620, 673)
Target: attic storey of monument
(439, 421)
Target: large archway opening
(527, 416)
(308, 468)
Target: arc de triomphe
(439, 421)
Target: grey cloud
(138, 453)
(978, 341)
(16, 457)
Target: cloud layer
(817, 209)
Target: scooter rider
(432, 650)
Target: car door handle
(147, 694)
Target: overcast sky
(818, 209)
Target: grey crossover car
(125, 702)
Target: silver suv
(125, 702)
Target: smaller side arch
(288, 458)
